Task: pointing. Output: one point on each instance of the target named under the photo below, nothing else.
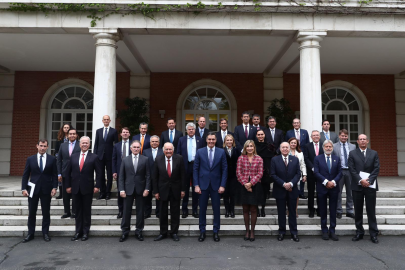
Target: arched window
(74, 105)
(343, 111)
(209, 102)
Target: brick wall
(30, 88)
(380, 93)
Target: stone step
(193, 230)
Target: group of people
(238, 167)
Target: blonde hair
(230, 136)
(246, 145)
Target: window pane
(343, 126)
(56, 117)
(213, 122)
(353, 136)
(211, 92)
(89, 117)
(330, 118)
(80, 127)
(189, 118)
(336, 106)
(74, 104)
(61, 96)
(202, 93)
(79, 92)
(354, 127)
(87, 96)
(190, 103)
(224, 116)
(343, 118)
(54, 135)
(349, 98)
(341, 93)
(354, 106)
(80, 117)
(223, 105)
(67, 117)
(353, 118)
(206, 105)
(56, 126)
(331, 93)
(89, 126)
(70, 92)
(325, 98)
(56, 104)
(90, 104)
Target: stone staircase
(14, 212)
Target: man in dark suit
(298, 132)
(65, 151)
(201, 131)
(366, 161)
(210, 173)
(273, 135)
(223, 123)
(80, 182)
(40, 170)
(286, 172)
(326, 134)
(106, 137)
(244, 132)
(151, 154)
(143, 137)
(134, 183)
(171, 135)
(256, 122)
(169, 185)
(120, 151)
(187, 148)
(328, 171)
(311, 150)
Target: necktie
(105, 134)
(70, 148)
(82, 162)
(364, 153)
(298, 135)
(135, 163)
(345, 154)
(210, 157)
(272, 134)
(258, 127)
(316, 149)
(223, 136)
(142, 140)
(124, 150)
(202, 132)
(154, 154)
(169, 170)
(230, 152)
(171, 136)
(327, 135)
(246, 132)
(285, 161)
(41, 165)
(190, 150)
(328, 163)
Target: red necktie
(169, 170)
(82, 163)
(246, 132)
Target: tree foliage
(281, 110)
(136, 113)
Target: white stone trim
(6, 122)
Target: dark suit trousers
(148, 204)
(216, 202)
(189, 177)
(126, 219)
(66, 199)
(323, 208)
(45, 207)
(302, 187)
(370, 195)
(311, 191)
(174, 213)
(106, 164)
(83, 211)
(292, 218)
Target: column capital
(106, 36)
(310, 39)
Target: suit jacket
(304, 137)
(84, 180)
(369, 164)
(165, 137)
(102, 147)
(182, 148)
(278, 138)
(129, 181)
(232, 160)
(333, 137)
(321, 172)
(336, 150)
(309, 156)
(162, 183)
(220, 142)
(117, 156)
(204, 175)
(260, 127)
(148, 153)
(240, 137)
(63, 157)
(45, 180)
(282, 174)
(146, 142)
(204, 137)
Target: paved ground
(230, 253)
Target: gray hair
(155, 136)
(285, 143)
(84, 137)
(315, 131)
(169, 143)
(296, 119)
(326, 142)
(135, 141)
(142, 124)
(190, 124)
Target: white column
(104, 76)
(310, 80)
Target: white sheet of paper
(32, 185)
(365, 175)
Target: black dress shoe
(66, 215)
(28, 238)
(73, 216)
(46, 237)
(325, 236)
(303, 197)
(263, 212)
(258, 212)
(374, 239)
(358, 237)
(295, 238)
(160, 237)
(175, 237)
(107, 197)
(76, 237)
(339, 215)
(216, 237)
(184, 215)
(139, 236)
(102, 196)
(311, 213)
(247, 238)
(232, 214)
(123, 237)
(226, 214)
(119, 215)
(146, 216)
(333, 236)
(85, 237)
(350, 215)
(201, 238)
(195, 214)
(280, 237)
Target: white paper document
(32, 185)
(365, 175)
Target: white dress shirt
(81, 156)
(194, 145)
(43, 160)
(108, 130)
(229, 151)
(326, 133)
(285, 158)
(326, 161)
(126, 145)
(171, 163)
(213, 153)
(174, 133)
(223, 134)
(244, 126)
(272, 132)
(342, 154)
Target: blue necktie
(202, 132)
(105, 134)
(328, 163)
(345, 154)
(41, 165)
(190, 150)
(326, 136)
(171, 136)
(210, 157)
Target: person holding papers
(364, 167)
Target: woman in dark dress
(232, 155)
(249, 171)
(62, 137)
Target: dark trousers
(66, 199)
(323, 208)
(106, 165)
(302, 187)
(370, 195)
(292, 218)
(120, 202)
(266, 190)
(311, 192)
(45, 207)
(229, 202)
(189, 177)
(174, 214)
(83, 212)
(346, 180)
(215, 201)
(126, 218)
(148, 205)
